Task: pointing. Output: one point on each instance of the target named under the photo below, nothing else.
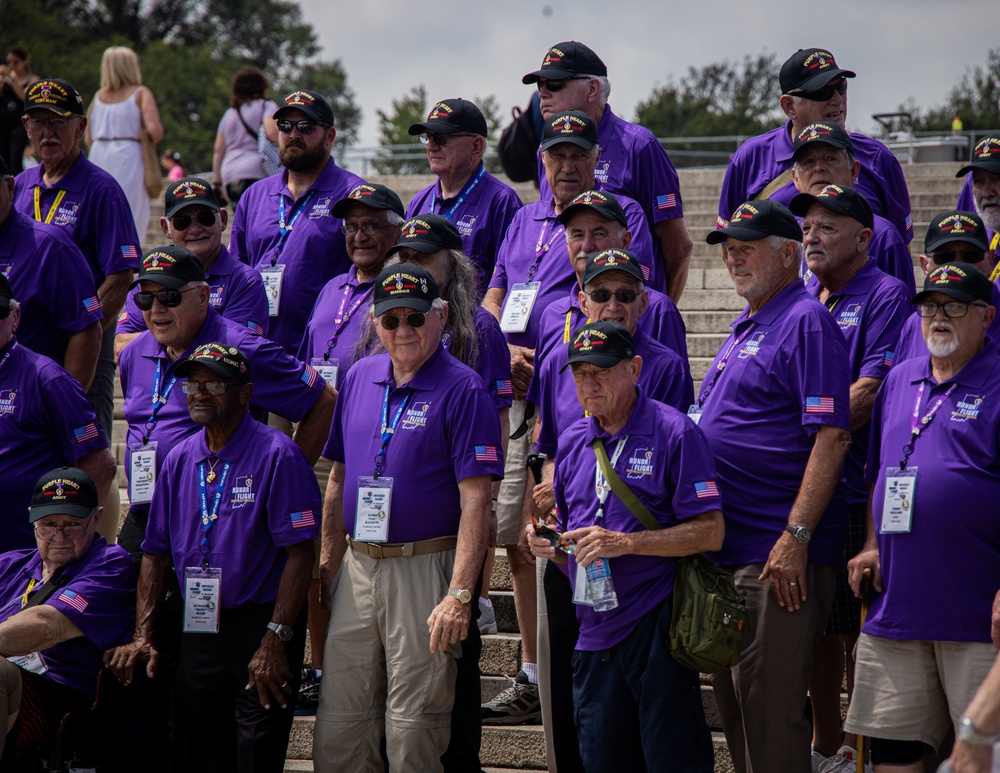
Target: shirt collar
(975, 375)
(234, 448)
(426, 379)
(775, 308)
(859, 284)
(73, 180)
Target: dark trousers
(638, 709)
(219, 726)
(462, 755)
(102, 389)
(564, 630)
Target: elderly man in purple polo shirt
(926, 644)
(405, 529)
(775, 408)
(633, 163)
(284, 225)
(636, 708)
(194, 220)
(235, 518)
(813, 89)
(466, 195)
(62, 602)
(59, 304)
(824, 155)
(981, 190)
(870, 308)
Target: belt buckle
(380, 556)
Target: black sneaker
(308, 698)
(517, 705)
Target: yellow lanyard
(569, 317)
(52, 209)
(993, 249)
(27, 593)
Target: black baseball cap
(171, 267)
(809, 69)
(427, 234)
(564, 60)
(310, 103)
(4, 170)
(188, 191)
(756, 219)
(63, 491)
(827, 133)
(612, 260)
(573, 126)
(986, 156)
(453, 115)
(840, 199)
(961, 281)
(956, 226)
(602, 202)
(227, 361)
(404, 285)
(370, 195)
(6, 291)
(603, 344)
(55, 95)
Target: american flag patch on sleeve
(130, 252)
(666, 201)
(309, 375)
(909, 222)
(86, 432)
(504, 386)
(74, 599)
(819, 404)
(254, 327)
(302, 519)
(486, 454)
(704, 489)
(887, 358)
(92, 304)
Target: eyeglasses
(205, 218)
(209, 387)
(559, 85)
(958, 256)
(38, 124)
(952, 309)
(413, 319)
(442, 139)
(603, 296)
(73, 531)
(304, 127)
(823, 94)
(169, 298)
(368, 229)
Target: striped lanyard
(52, 210)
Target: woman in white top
(120, 109)
(235, 162)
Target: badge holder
(142, 481)
(898, 502)
(32, 662)
(272, 277)
(327, 368)
(374, 502)
(517, 309)
(581, 589)
(694, 413)
(202, 599)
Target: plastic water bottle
(600, 586)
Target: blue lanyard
(284, 231)
(342, 319)
(388, 430)
(208, 518)
(158, 400)
(722, 363)
(463, 195)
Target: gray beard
(991, 217)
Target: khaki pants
(515, 474)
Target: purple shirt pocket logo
(640, 464)
(967, 408)
(851, 316)
(752, 346)
(416, 416)
(320, 209)
(7, 397)
(242, 492)
(466, 224)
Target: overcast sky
(467, 48)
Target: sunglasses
(209, 387)
(182, 222)
(304, 127)
(959, 256)
(559, 85)
(442, 139)
(413, 319)
(169, 298)
(823, 94)
(603, 296)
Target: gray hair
(778, 243)
(605, 89)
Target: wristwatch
(461, 594)
(283, 632)
(967, 732)
(802, 533)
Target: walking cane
(866, 582)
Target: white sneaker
(487, 618)
(817, 760)
(842, 762)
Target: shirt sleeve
(734, 187)
(474, 434)
(334, 448)
(116, 242)
(673, 385)
(237, 234)
(494, 361)
(893, 257)
(72, 422)
(882, 334)
(130, 320)
(894, 193)
(819, 374)
(70, 295)
(873, 464)
(282, 384)
(501, 216)
(247, 301)
(499, 278)
(293, 499)
(692, 474)
(657, 186)
(642, 244)
(157, 539)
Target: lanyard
(722, 363)
(920, 424)
(27, 593)
(832, 301)
(6, 357)
(284, 231)
(159, 400)
(208, 518)
(461, 196)
(601, 486)
(566, 328)
(342, 319)
(388, 430)
(542, 246)
(52, 209)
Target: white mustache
(942, 327)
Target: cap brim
(624, 268)
(342, 207)
(742, 233)
(818, 141)
(951, 292)
(184, 204)
(184, 368)
(820, 80)
(37, 512)
(417, 304)
(549, 73)
(948, 239)
(51, 109)
(600, 360)
(438, 127)
(571, 210)
(993, 167)
(313, 114)
(580, 141)
(423, 247)
(170, 282)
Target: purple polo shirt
(761, 159)
(99, 599)
(967, 201)
(51, 281)
(89, 206)
(270, 501)
(493, 366)
(941, 577)
(892, 254)
(667, 463)
(45, 422)
(870, 311)
(482, 217)
(337, 321)
(282, 384)
(788, 375)
(911, 337)
(449, 431)
(313, 253)
(236, 291)
(664, 377)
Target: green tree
(393, 129)
(330, 80)
(975, 98)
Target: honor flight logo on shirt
(967, 408)
(7, 397)
(752, 347)
(850, 316)
(416, 416)
(640, 464)
(242, 492)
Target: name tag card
(202, 599)
(581, 591)
(327, 369)
(272, 276)
(897, 506)
(31, 662)
(142, 481)
(371, 523)
(517, 310)
(694, 413)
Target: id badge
(371, 523)
(202, 599)
(897, 506)
(517, 310)
(31, 662)
(581, 594)
(328, 369)
(142, 481)
(694, 413)
(272, 286)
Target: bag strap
(778, 182)
(46, 589)
(246, 126)
(621, 489)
